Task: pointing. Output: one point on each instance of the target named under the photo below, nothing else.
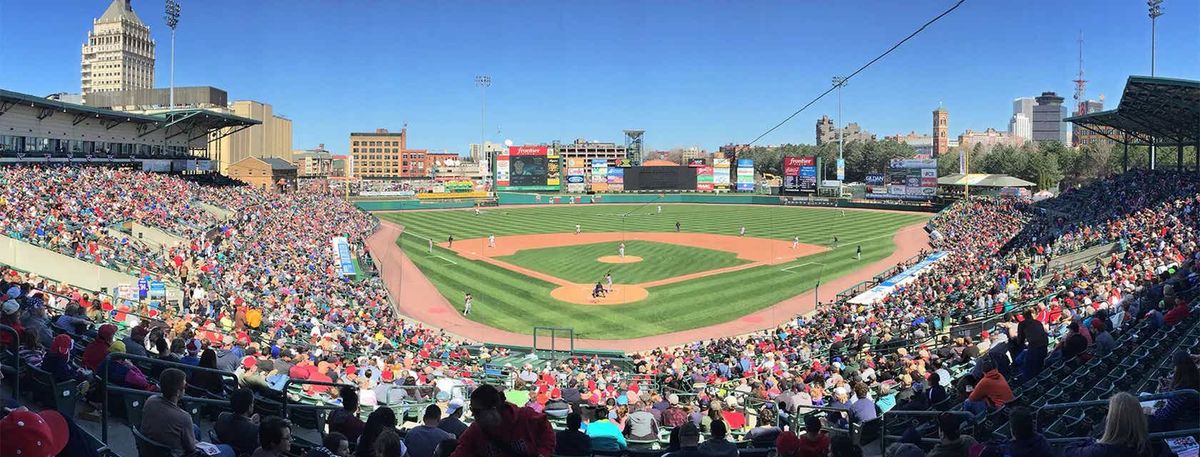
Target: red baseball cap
(29, 434)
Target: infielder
(608, 278)
(621, 250)
(492, 241)
(742, 232)
(476, 211)
(577, 229)
(858, 253)
(795, 242)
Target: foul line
(788, 269)
(428, 239)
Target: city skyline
(705, 76)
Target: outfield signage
(745, 175)
(800, 174)
(704, 178)
(341, 256)
(877, 293)
(529, 167)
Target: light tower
(1080, 83)
(483, 82)
(840, 82)
(633, 145)
(172, 18)
(1155, 9)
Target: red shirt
(525, 431)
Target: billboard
(875, 183)
(528, 168)
(908, 179)
(696, 162)
(502, 171)
(599, 175)
(660, 178)
(841, 169)
(745, 175)
(616, 179)
(704, 178)
(800, 174)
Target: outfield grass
(511, 301)
(578, 264)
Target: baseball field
(551, 266)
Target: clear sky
(702, 73)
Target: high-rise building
(591, 150)
(1021, 126)
(119, 53)
(828, 133)
(385, 155)
(1081, 136)
(1024, 105)
(272, 138)
(1048, 114)
(941, 132)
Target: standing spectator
(274, 438)
(501, 429)
(345, 420)
(163, 420)
(332, 445)
(453, 423)
(422, 439)
(1124, 433)
(572, 442)
(719, 445)
(1032, 335)
(953, 443)
(605, 435)
(239, 428)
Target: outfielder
(467, 304)
(742, 232)
(577, 229)
(795, 242)
(492, 241)
(621, 250)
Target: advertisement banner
(962, 161)
(704, 178)
(745, 175)
(897, 190)
(528, 151)
(841, 169)
(387, 193)
(599, 172)
(929, 173)
(576, 162)
(800, 174)
(929, 182)
(341, 250)
(576, 171)
(720, 163)
(695, 163)
(721, 177)
(553, 171)
(616, 179)
(914, 163)
(502, 171)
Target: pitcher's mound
(582, 294)
(619, 259)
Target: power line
(860, 69)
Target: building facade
(586, 151)
(988, 139)
(119, 53)
(150, 99)
(270, 173)
(922, 144)
(941, 132)
(828, 133)
(385, 155)
(1048, 114)
(1082, 136)
(313, 163)
(271, 138)
(1021, 127)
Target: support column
(1179, 157)
(1125, 158)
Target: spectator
(37, 322)
(1124, 433)
(445, 448)
(764, 433)
(718, 445)
(641, 425)
(501, 429)
(887, 399)
(843, 447)
(57, 360)
(345, 420)
(31, 352)
(381, 420)
(32, 434)
(423, 439)
(814, 442)
(863, 409)
(274, 437)
(1026, 441)
(1104, 342)
(1072, 345)
(1032, 336)
(9, 316)
(689, 442)
(206, 380)
(673, 416)
(787, 444)
(1180, 409)
(453, 423)
(991, 391)
(572, 442)
(239, 427)
(937, 391)
(163, 420)
(1178, 313)
(95, 352)
(604, 434)
(332, 445)
(733, 418)
(389, 445)
(952, 443)
(903, 450)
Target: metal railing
(16, 341)
(884, 437)
(105, 388)
(1104, 402)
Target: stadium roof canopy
(1153, 111)
(983, 180)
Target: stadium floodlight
(1155, 9)
(172, 18)
(483, 82)
(840, 82)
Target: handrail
(883, 436)
(1102, 402)
(290, 381)
(16, 338)
(104, 388)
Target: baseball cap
(193, 345)
(29, 434)
(117, 346)
(107, 331)
(455, 405)
(62, 344)
(11, 307)
(673, 399)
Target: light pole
(483, 81)
(172, 18)
(817, 288)
(1155, 12)
(840, 82)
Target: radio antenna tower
(1080, 83)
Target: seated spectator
(556, 406)
(1124, 433)
(206, 380)
(640, 425)
(31, 352)
(381, 420)
(1177, 313)
(814, 442)
(886, 400)
(604, 433)
(345, 420)
(863, 409)
(332, 445)
(124, 373)
(9, 316)
(37, 322)
(1071, 345)
(734, 419)
(674, 415)
(163, 420)
(937, 391)
(500, 426)
(1179, 411)
(572, 442)
(453, 423)
(446, 448)
(719, 445)
(95, 352)
(903, 450)
(57, 360)
(764, 433)
(274, 438)
(423, 439)
(953, 443)
(1104, 342)
(1026, 441)
(239, 428)
(689, 442)
(991, 391)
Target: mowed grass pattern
(659, 261)
(511, 301)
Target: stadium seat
(149, 448)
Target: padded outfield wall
(521, 198)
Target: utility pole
(172, 18)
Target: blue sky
(702, 73)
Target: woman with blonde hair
(1124, 433)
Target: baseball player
(621, 250)
(431, 245)
(450, 241)
(492, 241)
(608, 279)
(795, 242)
(742, 232)
(476, 210)
(835, 241)
(858, 253)
(659, 209)
(577, 228)
(467, 304)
